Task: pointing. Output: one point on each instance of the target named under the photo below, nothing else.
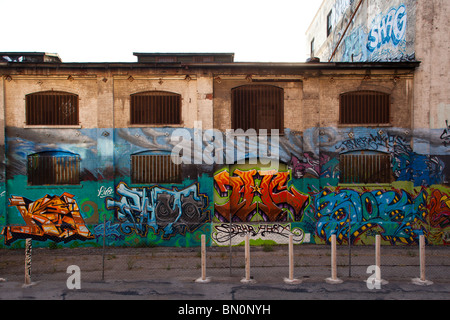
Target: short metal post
(28, 249)
(378, 260)
(203, 278)
(291, 279)
(422, 280)
(104, 247)
(247, 278)
(334, 279)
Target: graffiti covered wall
(303, 195)
(303, 198)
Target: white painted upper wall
(379, 31)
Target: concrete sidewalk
(170, 273)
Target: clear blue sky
(109, 31)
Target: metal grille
(257, 107)
(154, 169)
(52, 108)
(53, 170)
(365, 168)
(155, 107)
(364, 107)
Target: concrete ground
(170, 274)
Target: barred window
(364, 107)
(52, 108)
(53, 168)
(257, 107)
(154, 169)
(156, 107)
(365, 167)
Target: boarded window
(257, 107)
(156, 107)
(53, 168)
(365, 168)
(154, 169)
(52, 108)
(364, 107)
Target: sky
(111, 30)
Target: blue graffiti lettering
(158, 208)
(395, 213)
(392, 27)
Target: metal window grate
(364, 107)
(257, 107)
(362, 168)
(53, 170)
(156, 107)
(154, 169)
(52, 108)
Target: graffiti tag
(258, 192)
(391, 28)
(279, 232)
(52, 217)
(395, 213)
(158, 208)
(445, 136)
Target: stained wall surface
(302, 194)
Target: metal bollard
(247, 278)
(291, 279)
(334, 279)
(378, 261)
(203, 278)
(422, 281)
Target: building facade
(161, 151)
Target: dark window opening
(154, 169)
(365, 168)
(329, 23)
(364, 107)
(156, 107)
(257, 107)
(53, 168)
(52, 108)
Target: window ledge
(382, 185)
(56, 186)
(52, 127)
(156, 126)
(374, 125)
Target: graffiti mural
(258, 192)
(168, 210)
(407, 165)
(225, 233)
(396, 215)
(445, 136)
(439, 217)
(308, 167)
(56, 218)
(390, 28)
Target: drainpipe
(343, 35)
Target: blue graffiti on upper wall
(445, 136)
(397, 213)
(390, 28)
(407, 165)
(172, 211)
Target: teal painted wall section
(304, 198)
